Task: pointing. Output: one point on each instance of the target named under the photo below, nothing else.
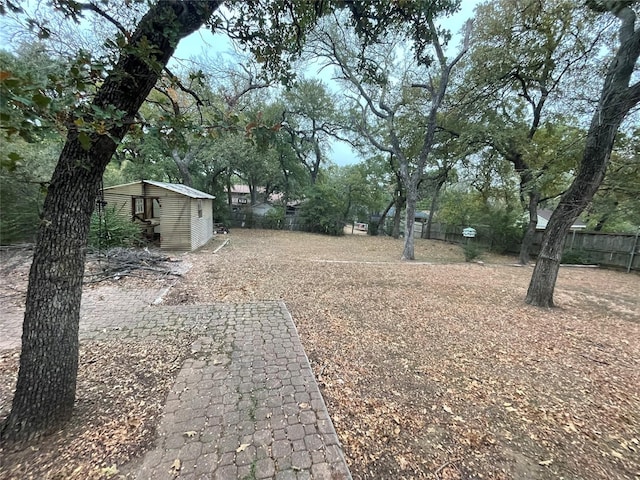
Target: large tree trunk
(383, 217)
(594, 164)
(426, 233)
(616, 99)
(45, 390)
(529, 234)
(412, 200)
(397, 216)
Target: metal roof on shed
(179, 188)
(174, 187)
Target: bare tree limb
(94, 8)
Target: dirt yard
(436, 368)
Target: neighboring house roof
(240, 189)
(174, 187)
(244, 190)
(544, 215)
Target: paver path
(244, 406)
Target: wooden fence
(606, 249)
(485, 237)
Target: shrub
(320, 212)
(113, 230)
(507, 231)
(274, 219)
(471, 251)
(576, 257)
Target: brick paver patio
(244, 406)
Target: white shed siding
(201, 227)
(121, 203)
(175, 229)
(120, 197)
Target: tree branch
(351, 77)
(633, 97)
(174, 79)
(436, 43)
(232, 99)
(94, 8)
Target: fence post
(633, 250)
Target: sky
(203, 42)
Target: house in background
(239, 197)
(544, 215)
(240, 202)
(180, 217)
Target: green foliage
(460, 208)
(309, 110)
(506, 229)
(274, 219)
(471, 250)
(616, 206)
(575, 257)
(322, 210)
(340, 196)
(23, 183)
(112, 229)
(26, 92)
(41, 92)
(499, 226)
(20, 206)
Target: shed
(180, 216)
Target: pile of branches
(120, 262)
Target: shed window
(199, 208)
(138, 205)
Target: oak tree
(525, 56)
(620, 93)
(385, 90)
